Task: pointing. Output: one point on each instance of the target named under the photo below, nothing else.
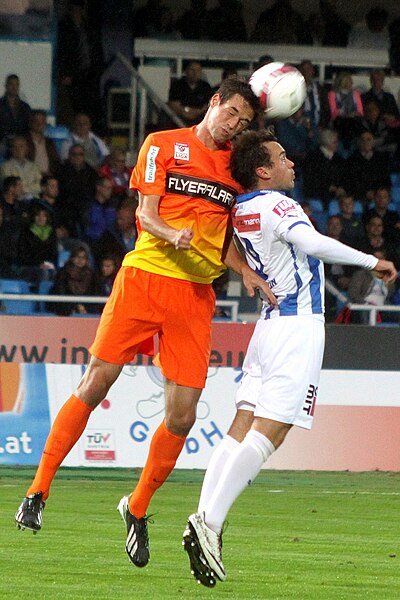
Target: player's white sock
(215, 467)
(240, 471)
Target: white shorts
(281, 369)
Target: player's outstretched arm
(251, 281)
(331, 251)
(151, 221)
(385, 270)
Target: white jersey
(261, 221)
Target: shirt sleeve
(327, 249)
(149, 174)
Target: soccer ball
(280, 88)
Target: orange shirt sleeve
(149, 174)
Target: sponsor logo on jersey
(150, 174)
(216, 193)
(181, 151)
(284, 206)
(247, 222)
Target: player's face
(228, 119)
(281, 172)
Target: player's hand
(182, 238)
(253, 282)
(385, 270)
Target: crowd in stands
(67, 216)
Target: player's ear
(263, 172)
(215, 100)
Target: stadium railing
(232, 305)
(41, 299)
(248, 54)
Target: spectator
(390, 218)
(50, 200)
(146, 19)
(306, 206)
(227, 73)
(365, 288)
(37, 248)
(226, 23)
(19, 166)
(167, 29)
(109, 266)
(372, 32)
(77, 187)
(79, 65)
(394, 48)
(281, 24)
(367, 168)
(189, 95)
(352, 232)
(76, 278)
(297, 137)
(335, 30)
(316, 106)
(14, 113)
(12, 199)
(324, 172)
(264, 59)
(100, 214)
(346, 108)
(95, 149)
(339, 275)
(194, 23)
(117, 172)
(385, 100)
(121, 237)
(9, 234)
(385, 140)
(41, 149)
(374, 239)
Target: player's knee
(180, 424)
(96, 382)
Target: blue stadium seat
(316, 205)
(58, 133)
(17, 307)
(44, 288)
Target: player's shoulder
(171, 135)
(283, 206)
(267, 201)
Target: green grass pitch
(292, 535)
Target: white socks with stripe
(215, 468)
(241, 468)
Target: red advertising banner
(65, 340)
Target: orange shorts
(143, 304)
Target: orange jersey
(196, 190)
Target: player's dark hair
(229, 87)
(249, 153)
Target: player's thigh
(250, 383)
(291, 353)
(185, 341)
(130, 317)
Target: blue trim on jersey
(245, 197)
(298, 223)
(289, 305)
(259, 269)
(315, 285)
